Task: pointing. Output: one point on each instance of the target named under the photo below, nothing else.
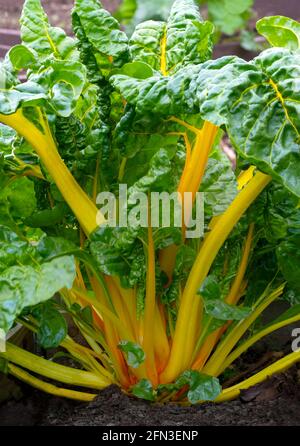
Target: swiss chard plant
(162, 315)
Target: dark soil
(273, 403)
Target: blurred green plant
(228, 16)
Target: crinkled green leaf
(145, 43)
(111, 247)
(47, 217)
(28, 94)
(8, 75)
(52, 326)
(246, 96)
(101, 29)
(7, 136)
(138, 70)
(13, 249)
(63, 81)
(135, 355)
(219, 184)
(17, 201)
(38, 35)
(188, 38)
(280, 31)
(23, 286)
(51, 247)
(183, 40)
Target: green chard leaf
(52, 326)
(242, 95)
(101, 30)
(135, 355)
(222, 311)
(39, 36)
(202, 387)
(143, 389)
(183, 40)
(210, 288)
(280, 31)
(24, 286)
(219, 184)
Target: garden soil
(272, 403)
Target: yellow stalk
(192, 179)
(119, 305)
(245, 176)
(79, 278)
(161, 343)
(115, 331)
(106, 313)
(242, 348)
(150, 310)
(277, 367)
(163, 57)
(103, 313)
(214, 365)
(129, 299)
(232, 298)
(235, 288)
(85, 354)
(206, 349)
(193, 330)
(201, 267)
(54, 371)
(185, 124)
(49, 388)
(43, 143)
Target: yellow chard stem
(50, 369)
(209, 250)
(47, 387)
(235, 288)
(232, 298)
(277, 367)
(214, 365)
(150, 309)
(43, 143)
(242, 348)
